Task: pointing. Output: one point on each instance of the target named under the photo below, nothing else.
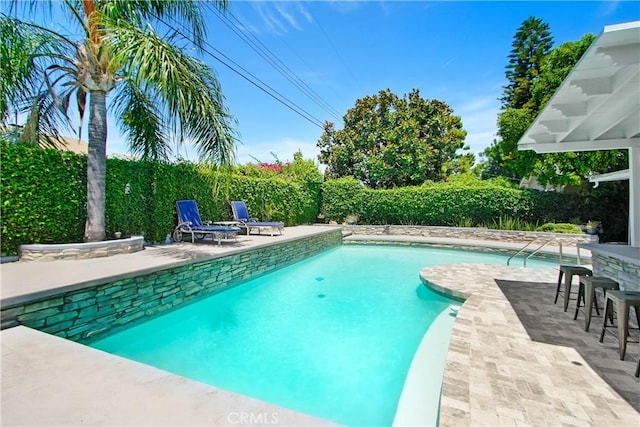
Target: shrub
(562, 227)
(467, 202)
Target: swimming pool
(332, 336)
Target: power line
(335, 50)
(263, 86)
(263, 51)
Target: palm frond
(33, 59)
(44, 121)
(183, 12)
(193, 100)
(141, 123)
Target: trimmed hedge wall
(44, 196)
(481, 203)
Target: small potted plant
(351, 219)
(593, 227)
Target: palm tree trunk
(96, 167)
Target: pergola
(597, 107)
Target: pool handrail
(545, 243)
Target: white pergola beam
(568, 146)
(611, 176)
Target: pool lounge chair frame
(241, 215)
(189, 222)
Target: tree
(503, 157)
(388, 141)
(531, 43)
(159, 92)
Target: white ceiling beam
(571, 109)
(563, 147)
(623, 55)
(612, 118)
(611, 176)
(594, 86)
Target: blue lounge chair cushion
(190, 222)
(241, 214)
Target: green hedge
(432, 204)
(44, 196)
(448, 204)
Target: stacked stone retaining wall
(471, 233)
(625, 273)
(99, 310)
(56, 252)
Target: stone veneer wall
(506, 236)
(38, 252)
(625, 273)
(97, 311)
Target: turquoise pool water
(331, 336)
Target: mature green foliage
(388, 141)
(43, 195)
(469, 203)
(557, 64)
(303, 171)
(159, 91)
(531, 43)
(503, 157)
(562, 227)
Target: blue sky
(452, 51)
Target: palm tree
(159, 92)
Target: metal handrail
(545, 243)
(521, 250)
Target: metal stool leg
(607, 313)
(623, 324)
(581, 292)
(568, 278)
(560, 274)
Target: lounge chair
(241, 215)
(189, 222)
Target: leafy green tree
(503, 157)
(158, 91)
(388, 141)
(531, 43)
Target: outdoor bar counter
(618, 262)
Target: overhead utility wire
(261, 49)
(271, 91)
(335, 50)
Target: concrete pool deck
(513, 357)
